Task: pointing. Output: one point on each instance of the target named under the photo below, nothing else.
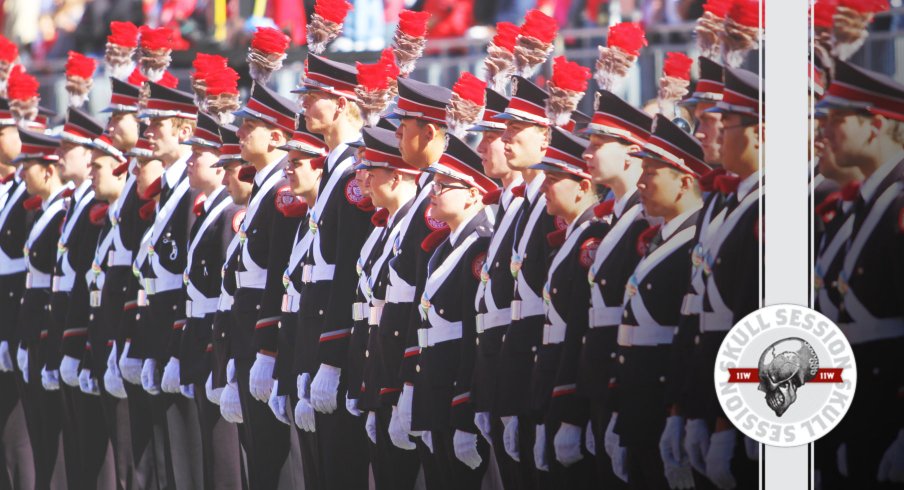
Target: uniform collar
(622, 203)
(53, 197)
(871, 183)
(533, 188)
(81, 190)
(261, 176)
(208, 203)
(333, 158)
(173, 174)
(453, 237)
(507, 195)
(672, 226)
(747, 185)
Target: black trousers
(599, 419)
(16, 458)
(579, 475)
(222, 453)
(342, 444)
(453, 474)
(266, 439)
(310, 456)
(393, 468)
(149, 471)
(508, 467)
(93, 439)
(43, 416)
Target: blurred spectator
(20, 18)
(364, 27)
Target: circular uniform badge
(785, 375)
(433, 224)
(237, 219)
(353, 192)
(588, 252)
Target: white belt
(201, 308)
(360, 311)
(63, 284)
(251, 279)
(225, 302)
(317, 273)
(605, 316)
(291, 303)
(375, 313)
(692, 304)
(630, 335)
(142, 299)
(117, 258)
(711, 321)
(12, 266)
(37, 280)
(400, 294)
(428, 337)
(157, 285)
(877, 329)
(521, 309)
(553, 334)
(492, 319)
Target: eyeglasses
(439, 187)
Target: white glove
(841, 459)
(188, 391)
(718, 459)
(891, 466)
(752, 448)
(674, 459)
(260, 379)
(427, 437)
(510, 437)
(304, 412)
(130, 367)
(149, 377)
(616, 452)
(371, 426)
(22, 361)
(540, 449)
(567, 444)
(589, 440)
(465, 445)
(212, 394)
(6, 362)
(325, 388)
(696, 443)
(88, 383)
(169, 383)
(404, 405)
(351, 405)
(112, 377)
(50, 380)
(230, 371)
(278, 405)
(482, 421)
(69, 370)
(231, 404)
(397, 434)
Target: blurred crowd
(48, 29)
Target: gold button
(417, 368)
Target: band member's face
(492, 154)
(35, 175)
(10, 144)
(381, 182)
(739, 142)
(165, 134)
(303, 177)
(201, 173)
(123, 130)
(449, 198)
(709, 125)
(74, 161)
(562, 192)
(414, 137)
(848, 134)
(660, 187)
(608, 157)
(524, 144)
(320, 111)
(255, 138)
(106, 186)
(239, 190)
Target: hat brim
(42, 159)
(200, 142)
(551, 167)
(223, 161)
(652, 156)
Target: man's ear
(585, 185)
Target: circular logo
(432, 223)
(785, 375)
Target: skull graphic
(784, 367)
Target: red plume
(98, 213)
(414, 23)
(380, 217)
(604, 208)
(741, 32)
(466, 104)
(823, 12)
(205, 65)
(334, 11)
(79, 78)
(267, 52)
(623, 45)
(366, 204)
(865, 6)
(747, 12)
(123, 34)
(677, 65)
(434, 239)
(270, 41)
(247, 173)
(533, 45)
(388, 59)
(9, 51)
(374, 89)
(156, 39)
(152, 190)
(32, 203)
(147, 211)
(492, 197)
(566, 89)
(21, 85)
(168, 80)
(710, 26)
(500, 55)
(222, 98)
(718, 8)
(372, 76)
(223, 81)
(850, 24)
(137, 78)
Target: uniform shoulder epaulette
(290, 205)
(32, 203)
(604, 208)
(98, 213)
(828, 208)
(237, 219)
(147, 211)
(198, 207)
(152, 190)
(726, 184)
(380, 217)
(366, 204)
(644, 239)
(707, 180)
(68, 192)
(556, 238)
(492, 197)
(247, 173)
